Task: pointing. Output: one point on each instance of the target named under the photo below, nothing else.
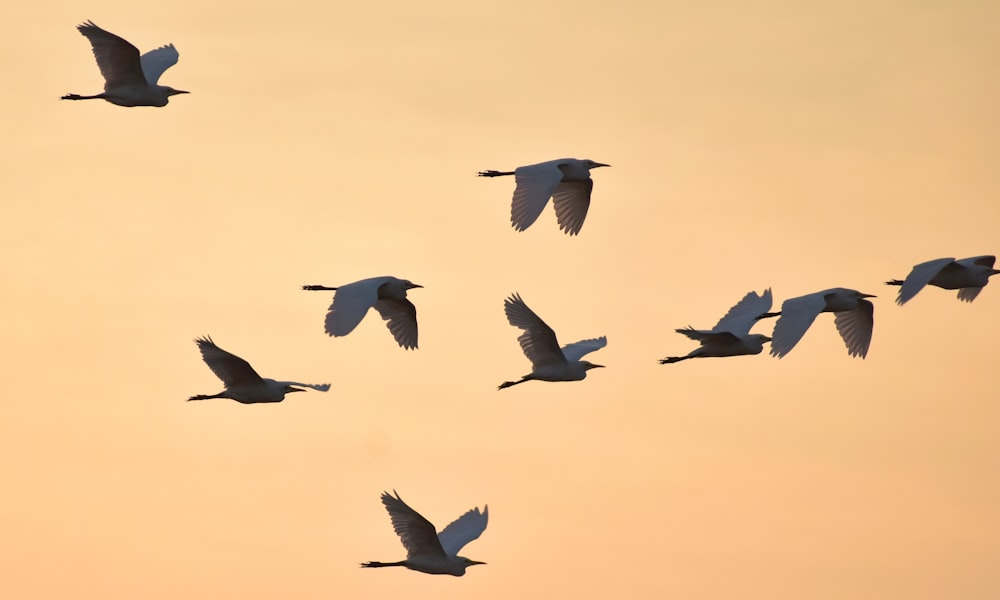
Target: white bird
(548, 361)
(566, 180)
(968, 275)
(852, 314)
(731, 335)
(129, 80)
(243, 384)
(388, 296)
(427, 551)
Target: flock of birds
(132, 80)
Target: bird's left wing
(401, 319)
(155, 62)
(228, 367)
(577, 350)
(920, 276)
(572, 201)
(116, 57)
(797, 314)
(350, 304)
(535, 184)
(463, 530)
(743, 315)
(855, 327)
(538, 342)
(416, 532)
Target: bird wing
(416, 533)
(577, 350)
(116, 57)
(155, 62)
(463, 530)
(743, 315)
(535, 185)
(969, 294)
(350, 304)
(855, 327)
(538, 342)
(572, 200)
(982, 261)
(401, 317)
(797, 314)
(920, 276)
(228, 367)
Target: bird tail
(375, 564)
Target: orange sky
(797, 146)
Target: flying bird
(427, 551)
(548, 361)
(243, 384)
(388, 296)
(129, 80)
(852, 314)
(566, 180)
(731, 335)
(969, 276)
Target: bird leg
(79, 97)
(494, 173)
(316, 288)
(204, 397)
(672, 359)
(894, 282)
(375, 564)
(507, 384)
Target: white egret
(852, 314)
(243, 384)
(731, 335)
(548, 361)
(129, 80)
(427, 551)
(388, 296)
(968, 275)
(566, 180)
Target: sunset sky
(789, 145)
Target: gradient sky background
(791, 145)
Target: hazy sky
(792, 145)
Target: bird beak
(868, 296)
(415, 285)
(767, 339)
(475, 562)
(599, 165)
(596, 366)
(175, 92)
(293, 389)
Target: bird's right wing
(535, 185)
(743, 315)
(116, 57)
(797, 314)
(401, 319)
(969, 294)
(538, 342)
(155, 62)
(855, 327)
(416, 533)
(228, 367)
(572, 200)
(920, 276)
(577, 350)
(350, 304)
(463, 530)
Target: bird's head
(593, 165)
(589, 365)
